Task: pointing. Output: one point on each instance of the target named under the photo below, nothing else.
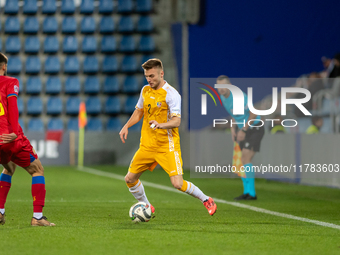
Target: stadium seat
(0, 41)
(112, 105)
(69, 25)
(72, 105)
(13, 44)
(130, 104)
(110, 64)
(33, 85)
(91, 85)
(72, 124)
(55, 124)
(12, 25)
(50, 25)
(51, 44)
(91, 65)
(31, 25)
(106, 25)
(72, 85)
(11, 7)
(114, 124)
(20, 103)
(22, 124)
(94, 124)
(125, 6)
(53, 85)
(129, 64)
(30, 7)
(35, 125)
(93, 105)
(127, 44)
(108, 44)
(88, 25)
(14, 65)
(52, 65)
(105, 6)
(71, 65)
(49, 7)
(68, 7)
(33, 65)
(32, 45)
(87, 6)
(145, 24)
(146, 44)
(137, 127)
(70, 44)
(126, 24)
(144, 6)
(54, 106)
(131, 85)
(34, 106)
(111, 85)
(89, 44)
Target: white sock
(2, 210)
(37, 215)
(138, 192)
(196, 192)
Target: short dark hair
(151, 63)
(3, 59)
(223, 77)
(316, 119)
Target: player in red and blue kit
(16, 149)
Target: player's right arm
(136, 116)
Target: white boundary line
(249, 207)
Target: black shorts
(253, 138)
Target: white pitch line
(249, 207)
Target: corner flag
(82, 121)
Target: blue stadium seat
(106, 25)
(114, 124)
(71, 65)
(91, 85)
(87, 6)
(32, 45)
(137, 127)
(72, 105)
(68, 7)
(33, 65)
(129, 64)
(91, 65)
(49, 7)
(14, 65)
(130, 104)
(127, 44)
(93, 105)
(72, 124)
(11, 7)
(33, 85)
(22, 124)
(88, 25)
(30, 7)
(52, 65)
(34, 106)
(36, 125)
(55, 124)
(125, 6)
(50, 25)
(146, 44)
(13, 44)
(145, 24)
(20, 103)
(12, 25)
(70, 44)
(94, 124)
(144, 6)
(0, 41)
(112, 105)
(54, 106)
(106, 6)
(31, 25)
(126, 24)
(53, 85)
(108, 44)
(69, 25)
(72, 85)
(51, 44)
(131, 85)
(89, 44)
(110, 64)
(111, 85)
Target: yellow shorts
(144, 160)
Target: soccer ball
(140, 212)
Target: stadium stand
(91, 65)
(11, 7)
(105, 6)
(12, 25)
(72, 124)
(54, 106)
(93, 105)
(91, 85)
(31, 25)
(55, 124)
(112, 105)
(68, 7)
(106, 25)
(30, 7)
(111, 85)
(87, 7)
(51, 45)
(13, 44)
(50, 25)
(114, 124)
(49, 7)
(129, 64)
(14, 65)
(35, 125)
(108, 44)
(144, 6)
(126, 25)
(32, 65)
(20, 105)
(52, 65)
(70, 44)
(125, 6)
(88, 25)
(32, 45)
(72, 105)
(34, 106)
(94, 124)
(53, 85)
(89, 44)
(33, 85)
(71, 65)
(72, 85)
(131, 85)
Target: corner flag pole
(82, 121)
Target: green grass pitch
(91, 213)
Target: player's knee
(177, 185)
(128, 179)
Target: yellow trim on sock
(184, 186)
(130, 185)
